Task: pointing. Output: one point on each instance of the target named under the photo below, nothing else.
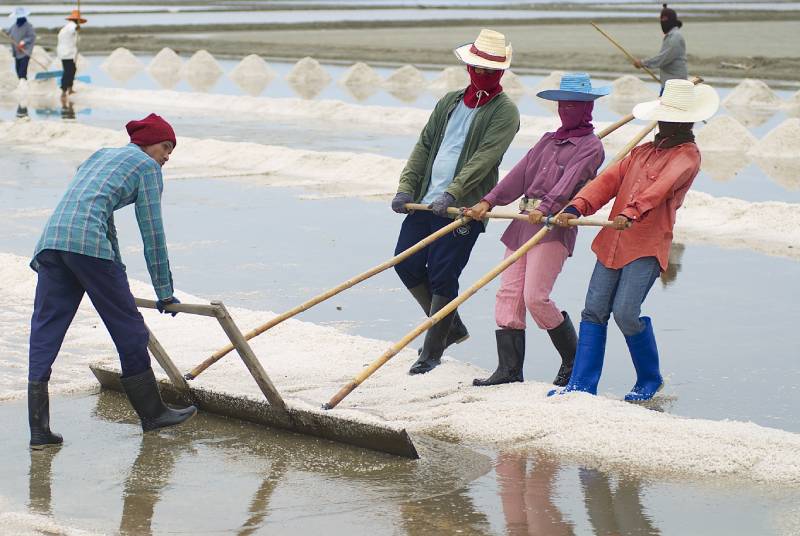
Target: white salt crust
(594, 430)
(768, 227)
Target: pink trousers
(527, 284)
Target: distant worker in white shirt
(67, 51)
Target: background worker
(24, 37)
(671, 59)
(67, 51)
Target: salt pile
(121, 65)
(406, 76)
(252, 74)
(165, 61)
(551, 81)
(40, 58)
(82, 64)
(778, 153)
(450, 79)
(752, 93)
(512, 84)
(308, 71)
(630, 88)
(360, 74)
(202, 71)
(724, 133)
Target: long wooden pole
(629, 56)
(219, 354)
(482, 282)
(11, 40)
(425, 242)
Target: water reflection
(751, 117)
(614, 512)
(259, 506)
(723, 165)
(40, 479)
(527, 496)
(784, 171)
(453, 513)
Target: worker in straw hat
(78, 254)
(454, 164)
(67, 50)
(23, 38)
(648, 187)
(546, 179)
(671, 59)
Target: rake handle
(629, 56)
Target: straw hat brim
(463, 53)
(563, 95)
(78, 19)
(705, 105)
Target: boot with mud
(458, 331)
(145, 398)
(510, 355)
(565, 340)
(39, 417)
(435, 339)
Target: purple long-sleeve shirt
(553, 171)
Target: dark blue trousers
(21, 65)
(63, 279)
(442, 262)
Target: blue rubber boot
(644, 354)
(588, 359)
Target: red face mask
(483, 87)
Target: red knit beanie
(150, 130)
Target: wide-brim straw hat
(489, 51)
(19, 13)
(575, 87)
(681, 102)
(76, 16)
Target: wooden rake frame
(274, 412)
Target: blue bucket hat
(575, 87)
(19, 13)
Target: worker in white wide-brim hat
(648, 187)
(454, 164)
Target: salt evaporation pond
(732, 365)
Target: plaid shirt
(83, 222)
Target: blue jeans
(63, 279)
(442, 262)
(621, 292)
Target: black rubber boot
(458, 331)
(566, 342)
(435, 339)
(510, 358)
(142, 391)
(39, 417)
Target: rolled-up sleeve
(151, 225)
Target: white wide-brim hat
(681, 102)
(488, 51)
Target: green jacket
(494, 126)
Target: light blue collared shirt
(444, 165)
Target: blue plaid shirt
(83, 222)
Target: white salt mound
(724, 133)
(252, 67)
(781, 142)
(308, 71)
(120, 60)
(753, 94)
(203, 63)
(451, 79)
(82, 64)
(405, 77)
(630, 88)
(512, 84)
(165, 61)
(40, 61)
(551, 81)
(360, 74)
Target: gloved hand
(441, 204)
(161, 304)
(399, 202)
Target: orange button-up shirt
(649, 186)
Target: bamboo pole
(425, 242)
(483, 281)
(631, 58)
(11, 40)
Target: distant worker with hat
(648, 187)
(67, 51)
(78, 254)
(454, 164)
(547, 177)
(671, 59)
(23, 37)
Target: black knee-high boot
(510, 358)
(39, 417)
